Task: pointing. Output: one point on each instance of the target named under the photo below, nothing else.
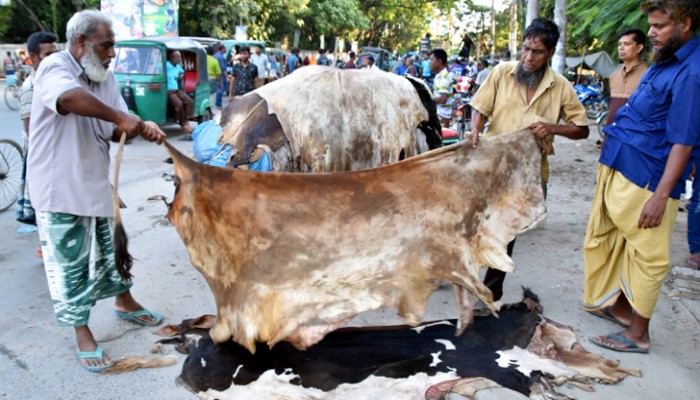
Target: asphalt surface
(37, 357)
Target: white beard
(92, 66)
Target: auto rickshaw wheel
(206, 116)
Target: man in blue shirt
(425, 68)
(293, 61)
(643, 165)
(177, 98)
(221, 90)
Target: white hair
(85, 23)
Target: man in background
(322, 59)
(293, 61)
(442, 86)
(624, 81)
(262, 63)
(243, 75)
(220, 56)
(177, 98)
(483, 67)
(213, 70)
(351, 61)
(39, 45)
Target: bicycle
(12, 93)
(11, 164)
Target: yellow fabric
(213, 67)
(504, 102)
(618, 256)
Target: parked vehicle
(592, 98)
(139, 66)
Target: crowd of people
(75, 108)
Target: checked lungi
(79, 262)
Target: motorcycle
(592, 98)
(461, 111)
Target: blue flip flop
(133, 316)
(630, 346)
(605, 314)
(93, 354)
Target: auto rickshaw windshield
(137, 60)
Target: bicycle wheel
(12, 97)
(11, 163)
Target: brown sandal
(694, 261)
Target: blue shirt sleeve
(683, 125)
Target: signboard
(142, 18)
(241, 32)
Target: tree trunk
(32, 16)
(559, 62)
(514, 30)
(533, 10)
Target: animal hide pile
(521, 351)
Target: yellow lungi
(618, 256)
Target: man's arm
(478, 123)
(654, 209)
(571, 131)
(440, 99)
(81, 102)
(231, 84)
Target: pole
(493, 31)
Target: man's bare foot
(126, 303)
(39, 253)
(86, 343)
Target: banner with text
(142, 18)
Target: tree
(559, 60)
(533, 10)
(603, 20)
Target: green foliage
(392, 24)
(5, 18)
(600, 22)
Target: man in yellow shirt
(528, 94)
(214, 70)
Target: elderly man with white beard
(77, 110)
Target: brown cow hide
(339, 120)
(294, 256)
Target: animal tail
(431, 127)
(132, 363)
(122, 259)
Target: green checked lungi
(79, 262)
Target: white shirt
(442, 84)
(482, 75)
(260, 61)
(68, 166)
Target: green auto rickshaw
(139, 66)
